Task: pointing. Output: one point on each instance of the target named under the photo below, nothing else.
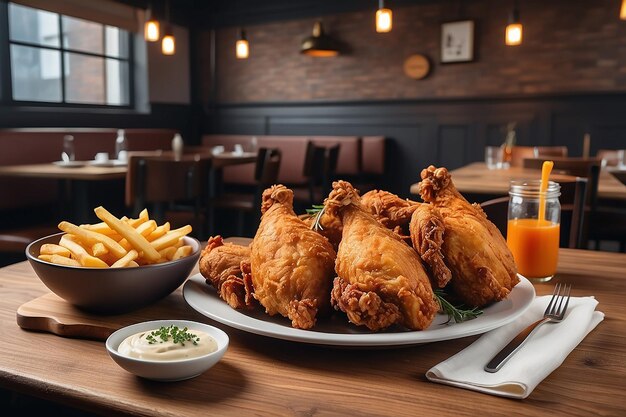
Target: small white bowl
(167, 370)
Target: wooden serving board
(50, 313)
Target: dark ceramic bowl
(111, 290)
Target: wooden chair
(572, 212)
(611, 157)
(519, 153)
(265, 175)
(320, 167)
(173, 190)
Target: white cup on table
(102, 157)
(238, 149)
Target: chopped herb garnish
(177, 335)
(456, 313)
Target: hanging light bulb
(168, 43)
(622, 11)
(242, 48)
(513, 33)
(151, 28)
(384, 18)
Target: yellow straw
(546, 169)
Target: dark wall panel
(440, 132)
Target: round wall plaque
(416, 66)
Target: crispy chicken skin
(388, 208)
(226, 267)
(427, 231)
(292, 265)
(482, 266)
(380, 279)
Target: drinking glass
(534, 241)
(493, 157)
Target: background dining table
(476, 178)
(75, 181)
(265, 376)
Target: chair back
(320, 166)
(573, 218)
(267, 166)
(611, 157)
(519, 153)
(163, 180)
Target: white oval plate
(337, 331)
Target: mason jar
(532, 237)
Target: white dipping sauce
(144, 346)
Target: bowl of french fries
(117, 265)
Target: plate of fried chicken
(365, 270)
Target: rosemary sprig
(317, 210)
(456, 313)
(172, 332)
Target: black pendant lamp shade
(319, 44)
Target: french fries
(117, 242)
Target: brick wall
(569, 46)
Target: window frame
(6, 81)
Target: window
(62, 59)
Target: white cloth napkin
(546, 349)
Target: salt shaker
(68, 149)
(177, 146)
(121, 145)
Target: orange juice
(535, 246)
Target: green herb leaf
(456, 313)
(318, 212)
(315, 208)
(172, 332)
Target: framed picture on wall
(457, 41)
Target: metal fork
(554, 314)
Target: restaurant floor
(14, 404)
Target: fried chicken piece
(381, 280)
(224, 266)
(482, 266)
(388, 208)
(427, 232)
(292, 265)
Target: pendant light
(384, 18)
(622, 11)
(513, 33)
(151, 27)
(319, 44)
(242, 48)
(168, 43)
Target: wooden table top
(96, 173)
(478, 179)
(264, 376)
(50, 170)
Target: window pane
(84, 82)
(36, 74)
(117, 83)
(33, 25)
(116, 42)
(82, 35)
